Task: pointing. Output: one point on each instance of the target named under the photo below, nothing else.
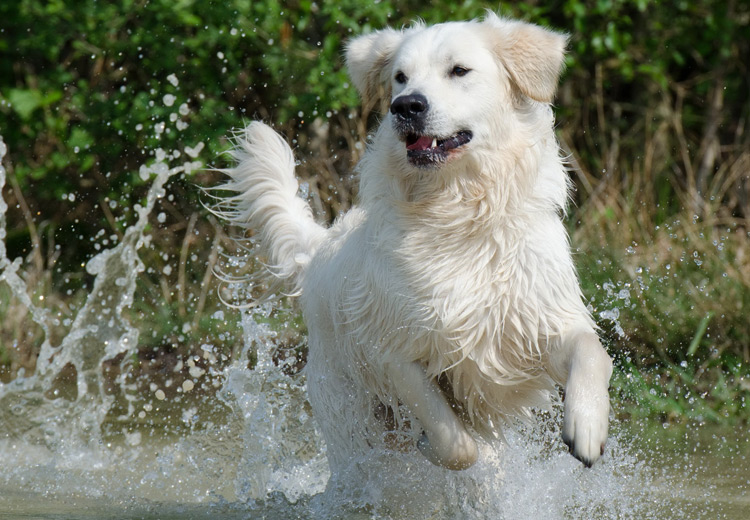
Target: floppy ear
(532, 55)
(368, 59)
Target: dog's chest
(473, 285)
(457, 270)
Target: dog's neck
(479, 195)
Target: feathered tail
(266, 201)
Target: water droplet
(193, 152)
(196, 372)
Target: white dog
(447, 300)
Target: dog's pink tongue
(423, 143)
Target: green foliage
(715, 391)
(82, 93)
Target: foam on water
(253, 447)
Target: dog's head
(449, 88)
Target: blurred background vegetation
(652, 113)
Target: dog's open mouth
(424, 150)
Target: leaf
(79, 138)
(699, 334)
(24, 102)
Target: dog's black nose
(413, 106)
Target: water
(75, 442)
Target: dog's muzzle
(410, 114)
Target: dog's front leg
(583, 366)
(446, 442)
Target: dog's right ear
(369, 60)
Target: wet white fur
(462, 272)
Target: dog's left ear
(533, 56)
(368, 59)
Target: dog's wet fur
(454, 266)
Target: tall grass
(664, 227)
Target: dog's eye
(400, 77)
(459, 71)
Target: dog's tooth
(434, 142)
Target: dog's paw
(585, 421)
(457, 453)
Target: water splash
(281, 451)
(256, 437)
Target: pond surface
(648, 472)
(703, 469)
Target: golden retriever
(446, 301)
